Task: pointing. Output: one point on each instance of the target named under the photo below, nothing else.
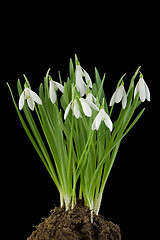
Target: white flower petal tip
(80, 84)
(119, 95)
(76, 110)
(31, 97)
(143, 90)
(30, 103)
(102, 116)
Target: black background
(116, 39)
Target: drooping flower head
(143, 90)
(81, 85)
(86, 107)
(119, 95)
(102, 116)
(31, 97)
(53, 86)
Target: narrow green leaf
(134, 122)
(99, 90)
(26, 79)
(60, 79)
(133, 78)
(71, 71)
(53, 176)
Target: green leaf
(60, 79)
(134, 122)
(26, 79)
(133, 78)
(67, 95)
(71, 71)
(99, 92)
(51, 172)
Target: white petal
(136, 89)
(107, 120)
(80, 84)
(92, 105)
(67, 110)
(89, 97)
(147, 92)
(94, 99)
(124, 100)
(119, 94)
(142, 92)
(87, 78)
(59, 86)
(21, 101)
(52, 94)
(86, 108)
(76, 110)
(35, 97)
(79, 68)
(53, 84)
(112, 101)
(27, 93)
(30, 103)
(94, 124)
(97, 121)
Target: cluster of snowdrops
(78, 158)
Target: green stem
(70, 165)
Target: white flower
(80, 84)
(119, 95)
(87, 104)
(90, 99)
(75, 108)
(143, 90)
(52, 87)
(31, 98)
(102, 115)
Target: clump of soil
(75, 225)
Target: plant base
(75, 225)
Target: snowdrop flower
(102, 116)
(52, 90)
(143, 90)
(31, 97)
(86, 107)
(119, 95)
(80, 84)
(75, 108)
(89, 99)
(87, 104)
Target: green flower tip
(76, 60)
(50, 78)
(25, 85)
(140, 75)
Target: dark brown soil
(75, 225)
